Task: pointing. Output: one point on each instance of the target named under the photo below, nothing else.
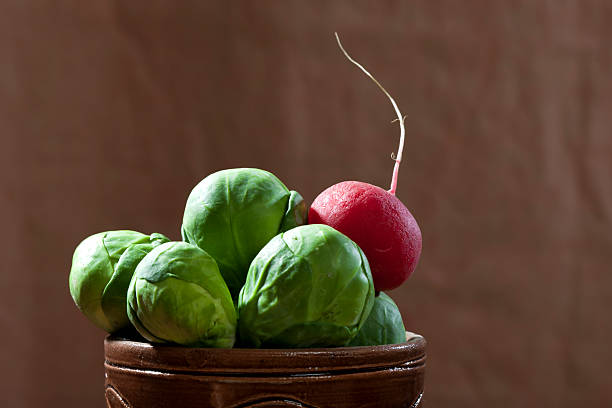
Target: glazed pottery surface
(141, 375)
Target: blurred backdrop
(110, 112)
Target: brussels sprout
(178, 295)
(384, 325)
(308, 287)
(102, 267)
(232, 214)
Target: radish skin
(378, 222)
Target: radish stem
(400, 118)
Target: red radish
(378, 222)
(374, 218)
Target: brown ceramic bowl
(140, 375)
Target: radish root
(400, 118)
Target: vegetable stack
(250, 270)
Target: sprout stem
(400, 118)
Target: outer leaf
(309, 286)
(384, 325)
(91, 270)
(178, 295)
(232, 214)
(296, 213)
(101, 270)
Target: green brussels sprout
(308, 287)
(102, 267)
(178, 295)
(384, 325)
(232, 214)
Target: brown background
(110, 112)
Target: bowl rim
(124, 353)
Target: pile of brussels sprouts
(249, 272)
